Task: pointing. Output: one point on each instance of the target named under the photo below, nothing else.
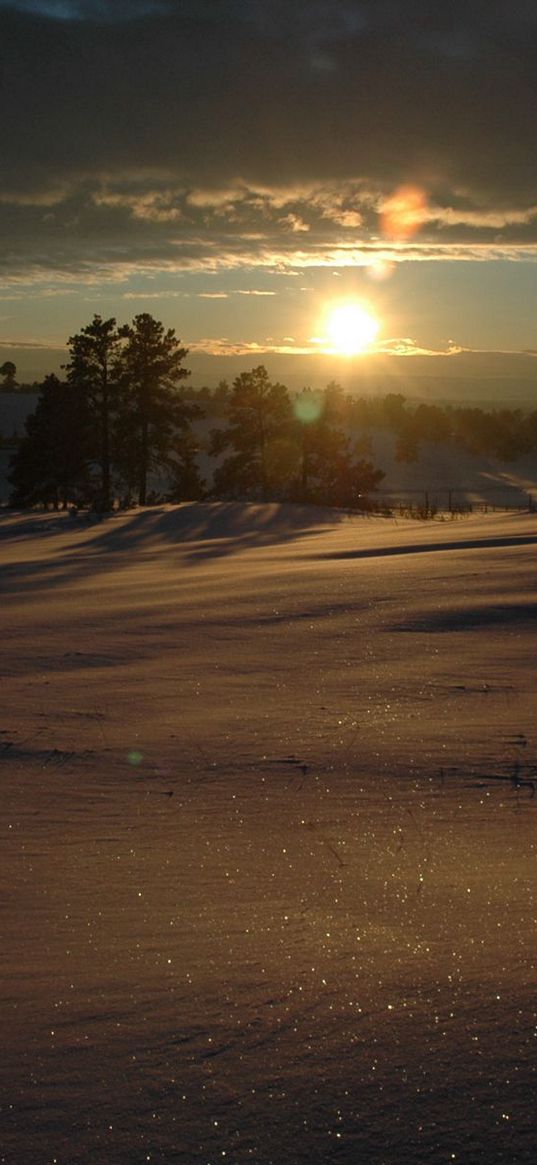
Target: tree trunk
(105, 445)
(262, 454)
(305, 466)
(142, 492)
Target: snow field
(269, 838)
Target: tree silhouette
(90, 370)
(258, 431)
(51, 465)
(329, 473)
(9, 372)
(152, 413)
(183, 473)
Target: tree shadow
(500, 616)
(84, 547)
(217, 528)
(430, 547)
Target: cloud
(213, 295)
(166, 293)
(405, 346)
(253, 291)
(398, 346)
(222, 346)
(32, 344)
(151, 206)
(101, 229)
(210, 133)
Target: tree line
(502, 433)
(120, 415)
(123, 414)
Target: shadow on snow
(201, 530)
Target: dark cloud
(137, 98)
(108, 228)
(105, 11)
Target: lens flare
(308, 408)
(380, 269)
(404, 212)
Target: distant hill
(488, 378)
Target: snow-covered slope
(268, 833)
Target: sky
(242, 168)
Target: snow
(268, 833)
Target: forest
(120, 429)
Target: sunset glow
(380, 161)
(351, 329)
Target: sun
(351, 329)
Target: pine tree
(329, 473)
(51, 465)
(8, 372)
(93, 355)
(153, 414)
(259, 433)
